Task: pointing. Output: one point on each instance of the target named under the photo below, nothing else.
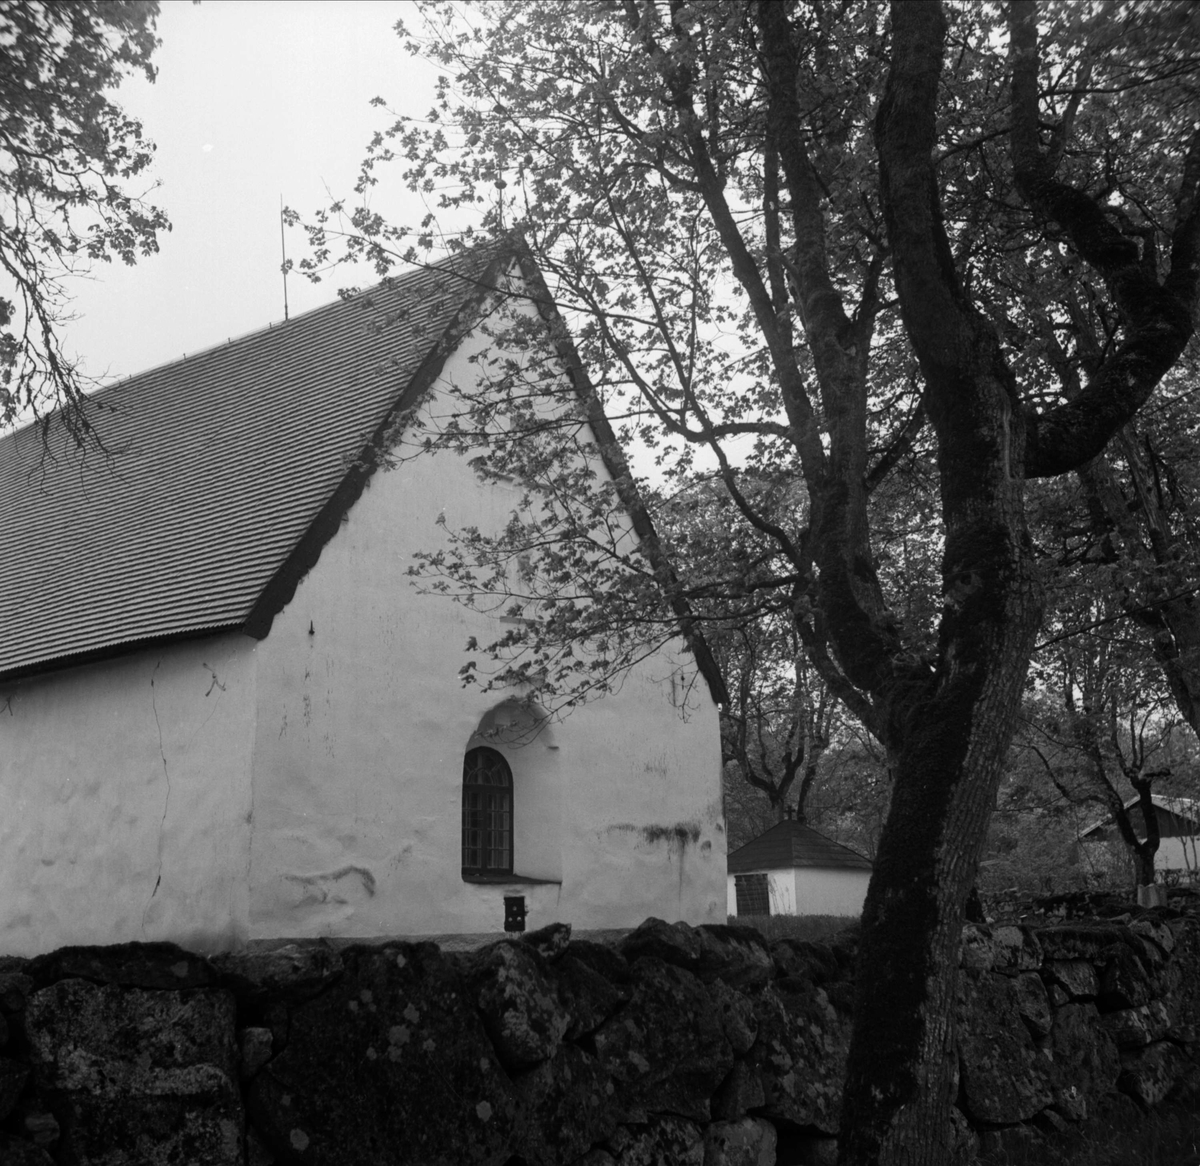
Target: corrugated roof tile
(790, 844)
(216, 467)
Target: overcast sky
(253, 101)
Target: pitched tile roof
(226, 472)
(1187, 810)
(791, 843)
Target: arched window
(487, 818)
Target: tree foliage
(878, 273)
(1104, 728)
(68, 155)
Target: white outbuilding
(792, 870)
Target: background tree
(67, 157)
(1141, 503)
(729, 202)
(778, 717)
(1105, 729)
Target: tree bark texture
(950, 723)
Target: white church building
(227, 714)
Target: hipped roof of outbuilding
(790, 844)
(1185, 809)
(218, 478)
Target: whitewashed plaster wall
(309, 784)
(811, 891)
(829, 892)
(126, 800)
(1180, 853)
(362, 727)
(1176, 854)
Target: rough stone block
(1155, 931)
(519, 1003)
(740, 1092)
(1168, 979)
(673, 943)
(392, 1058)
(603, 960)
(143, 1075)
(736, 955)
(977, 951)
(662, 1140)
(13, 1076)
(1017, 949)
(1133, 1028)
(1086, 1058)
(289, 973)
(550, 942)
(1075, 941)
(666, 1049)
(736, 1013)
(565, 1107)
(1149, 1074)
(17, 1152)
(1078, 978)
(1018, 1142)
(597, 1156)
(41, 1128)
(813, 962)
(748, 1142)
(15, 988)
(254, 1047)
(1005, 1079)
(1033, 1003)
(587, 996)
(800, 1057)
(163, 966)
(801, 1148)
(1124, 983)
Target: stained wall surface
(363, 722)
(811, 891)
(126, 800)
(309, 784)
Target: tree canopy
(883, 276)
(68, 154)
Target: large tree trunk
(901, 1073)
(949, 723)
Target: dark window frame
(752, 893)
(487, 814)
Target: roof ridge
(492, 250)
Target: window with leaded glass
(753, 897)
(487, 809)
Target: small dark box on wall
(514, 912)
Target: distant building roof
(789, 844)
(226, 473)
(1186, 809)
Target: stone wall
(700, 1046)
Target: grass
(815, 928)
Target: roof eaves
(48, 664)
(1187, 808)
(281, 588)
